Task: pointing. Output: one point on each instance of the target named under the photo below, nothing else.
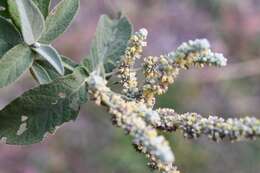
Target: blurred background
(93, 145)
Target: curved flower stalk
(161, 71)
(194, 125)
(159, 74)
(135, 118)
(126, 71)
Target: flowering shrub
(27, 29)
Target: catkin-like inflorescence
(161, 71)
(135, 118)
(194, 125)
(126, 71)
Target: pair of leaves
(29, 16)
(20, 58)
(110, 43)
(39, 111)
(33, 25)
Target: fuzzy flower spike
(160, 72)
(216, 128)
(126, 71)
(135, 119)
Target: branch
(194, 125)
(134, 119)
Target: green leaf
(9, 36)
(3, 8)
(32, 21)
(13, 11)
(14, 63)
(59, 19)
(50, 55)
(68, 63)
(51, 72)
(110, 42)
(40, 74)
(43, 6)
(88, 64)
(3, 3)
(40, 111)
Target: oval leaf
(52, 56)
(40, 111)
(68, 63)
(14, 63)
(43, 6)
(49, 71)
(110, 42)
(13, 11)
(59, 19)
(40, 74)
(9, 36)
(32, 21)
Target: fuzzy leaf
(110, 42)
(68, 63)
(49, 73)
(69, 66)
(43, 6)
(59, 19)
(40, 74)
(40, 111)
(13, 11)
(52, 56)
(88, 64)
(32, 21)
(9, 36)
(14, 63)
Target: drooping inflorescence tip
(196, 53)
(216, 59)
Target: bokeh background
(93, 145)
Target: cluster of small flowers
(159, 74)
(135, 118)
(196, 53)
(215, 59)
(193, 125)
(126, 71)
